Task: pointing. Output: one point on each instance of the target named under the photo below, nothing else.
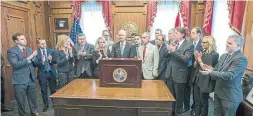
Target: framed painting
(61, 23)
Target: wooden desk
(84, 97)
(244, 109)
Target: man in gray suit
(123, 49)
(150, 57)
(23, 79)
(180, 53)
(83, 52)
(228, 74)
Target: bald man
(122, 49)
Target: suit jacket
(83, 61)
(204, 82)
(178, 63)
(198, 48)
(21, 67)
(163, 59)
(128, 51)
(64, 64)
(152, 42)
(41, 66)
(150, 61)
(228, 75)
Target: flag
(76, 28)
(178, 20)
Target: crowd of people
(186, 65)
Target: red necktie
(144, 52)
(24, 52)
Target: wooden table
(244, 109)
(84, 97)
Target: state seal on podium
(119, 75)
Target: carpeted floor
(50, 111)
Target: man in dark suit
(228, 74)
(196, 35)
(3, 108)
(157, 32)
(83, 57)
(137, 42)
(123, 49)
(23, 78)
(46, 70)
(163, 57)
(109, 43)
(180, 54)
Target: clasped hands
(206, 69)
(172, 48)
(82, 53)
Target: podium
(120, 72)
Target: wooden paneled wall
(197, 14)
(59, 10)
(132, 13)
(28, 18)
(248, 46)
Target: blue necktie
(121, 50)
(46, 63)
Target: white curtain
(220, 26)
(92, 21)
(165, 17)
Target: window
(220, 27)
(92, 12)
(165, 17)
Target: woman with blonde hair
(100, 52)
(64, 59)
(203, 83)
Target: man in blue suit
(228, 74)
(46, 70)
(21, 58)
(196, 38)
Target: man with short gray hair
(228, 74)
(83, 52)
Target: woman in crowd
(65, 61)
(100, 52)
(203, 85)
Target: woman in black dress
(100, 52)
(203, 85)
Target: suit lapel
(226, 61)
(125, 49)
(20, 52)
(199, 47)
(86, 46)
(39, 53)
(147, 51)
(182, 45)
